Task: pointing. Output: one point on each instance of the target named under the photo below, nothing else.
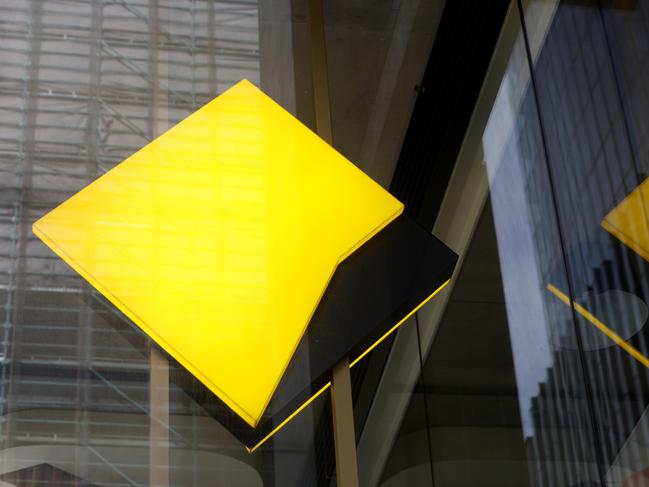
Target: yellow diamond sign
(219, 238)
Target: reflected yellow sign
(629, 221)
(219, 238)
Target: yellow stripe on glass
(592, 319)
(219, 238)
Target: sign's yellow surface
(629, 220)
(219, 238)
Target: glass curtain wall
(534, 365)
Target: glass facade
(537, 373)
(530, 369)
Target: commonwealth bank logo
(248, 249)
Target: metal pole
(341, 387)
(159, 364)
(343, 424)
(158, 420)
(319, 74)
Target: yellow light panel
(628, 221)
(219, 238)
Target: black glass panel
(370, 292)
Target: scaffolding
(84, 84)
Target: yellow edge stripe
(391, 330)
(293, 414)
(619, 341)
(356, 360)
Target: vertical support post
(319, 74)
(158, 362)
(158, 420)
(343, 424)
(341, 387)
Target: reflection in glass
(542, 346)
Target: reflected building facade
(511, 130)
